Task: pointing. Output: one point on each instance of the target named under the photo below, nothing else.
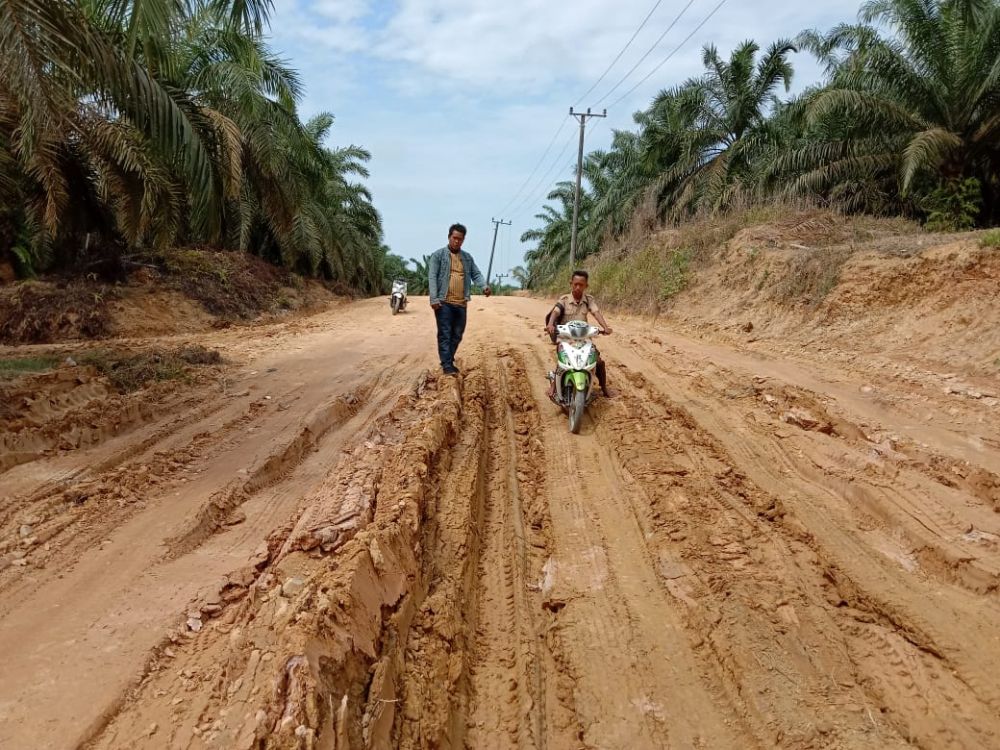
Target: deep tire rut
(716, 561)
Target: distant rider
(575, 306)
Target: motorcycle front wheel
(576, 411)
(395, 305)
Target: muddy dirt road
(336, 548)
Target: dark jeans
(451, 326)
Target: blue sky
(458, 99)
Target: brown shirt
(573, 310)
(456, 281)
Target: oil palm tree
(171, 121)
(67, 90)
(732, 102)
(522, 276)
(913, 99)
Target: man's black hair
(584, 274)
(460, 228)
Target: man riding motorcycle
(575, 306)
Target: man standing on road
(450, 274)
(575, 306)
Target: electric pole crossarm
(496, 228)
(582, 117)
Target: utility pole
(496, 228)
(582, 117)
(499, 277)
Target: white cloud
(342, 11)
(457, 99)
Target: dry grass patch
(130, 371)
(40, 312)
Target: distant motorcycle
(576, 360)
(397, 299)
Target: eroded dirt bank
(337, 548)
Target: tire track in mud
(477, 673)
(469, 574)
(434, 680)
(84, 413)
(915, 674)
(311, 648)
(214, 515)
(127, 584)
(521, 693)
(94, 502)
(749, 605)
(379, 616)
(637, 681)
(192, 409)
(921, 508)
(898, 490)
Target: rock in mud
(292, 586)
(800, 418)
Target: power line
(545, 153)
(506, 246)
(534, 198)
(672, 53)
(620, 53)
(648, 53)
(517, 210)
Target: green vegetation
(906, 123)
(990, 239)
(416, 277)
(129, 372)
(14, 367)
(126, 371)
(650, 277)
(130, 127)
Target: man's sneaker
(451, 371)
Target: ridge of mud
(78, 410)
(279, 462)
(92, 503)
(322, 615)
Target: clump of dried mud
(357, 624)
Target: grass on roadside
(127, 371)
(647, 279)
(990, 239)
(15, 367)
(130, 372)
